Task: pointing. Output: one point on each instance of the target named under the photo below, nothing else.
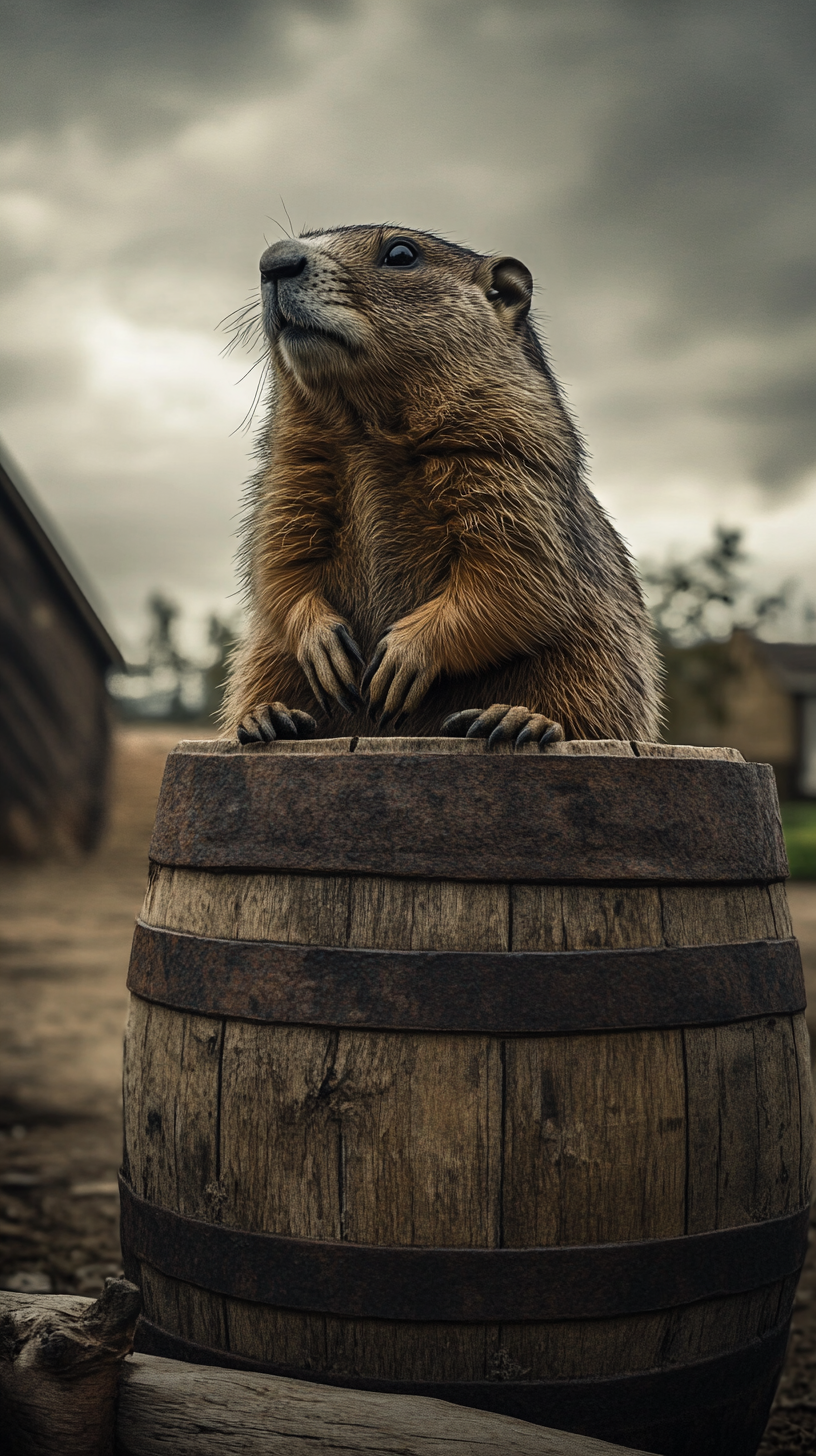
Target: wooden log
(270, 1139)
(193, 1410)
(59, 1370)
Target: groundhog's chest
(393, 538)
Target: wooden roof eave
(18, 499)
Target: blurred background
(653, 164)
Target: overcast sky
(652, 163)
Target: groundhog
(423, 552)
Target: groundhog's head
(387, 310)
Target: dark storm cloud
(709, 149)
(699, 186)
(135, 65)
(704, 184)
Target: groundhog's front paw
(274, 720)
(330, 659)
(397, 678)
(500, 723)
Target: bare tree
(706, 597)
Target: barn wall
(54, 712)
(726, 693)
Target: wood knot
(502, 1366)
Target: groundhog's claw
(328, 655)
(397, 679)
(349, 643)
(501, 723)
(270, 721)
(457, 724)
(540, 730)
(379, 654)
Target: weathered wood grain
(595, 1138)
(196, 1411)
(394, 914)
(715, 914)
(59, 1370)
(562, 1350)
(280, 1135)
(585, 917)
(781, 910)
(171, 1145)
(171, 1080)
(373, 1137)
(440, 747)
(686, 750)
(228, 906)
(196, 1314)
(600, 817)
(801, 1040)
(193, 1410)
(437, 1139)
(745, 1129)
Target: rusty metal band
(502, 993)
(372, 1281)
(609, 1408)
(534, 818)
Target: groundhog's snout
(282, 260)
(306, 307)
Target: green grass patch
(799, 824)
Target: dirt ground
(65, 932)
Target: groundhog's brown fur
(422, 499)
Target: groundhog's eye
(400, 255)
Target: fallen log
(199, 1410)
(61, 1360)
(59, 1369)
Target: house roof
(18, 503)
(794, 664)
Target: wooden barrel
(474, 1075)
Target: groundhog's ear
(511, 288)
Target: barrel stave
(716, 914)
(171, 1086)
(585, 917)
(595, 1138)
(382, 912)
(743, 1169)
(196, 1314)
(364, 910)
(780, 909)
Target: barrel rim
(539, 819)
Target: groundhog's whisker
(246, 422)
(244, 325)
(252, 305)
(261, 359)
(247, 341)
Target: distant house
(55, 719)
(759, 697)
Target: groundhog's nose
(282, 260)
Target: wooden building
(55, 716)
(759, 697)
